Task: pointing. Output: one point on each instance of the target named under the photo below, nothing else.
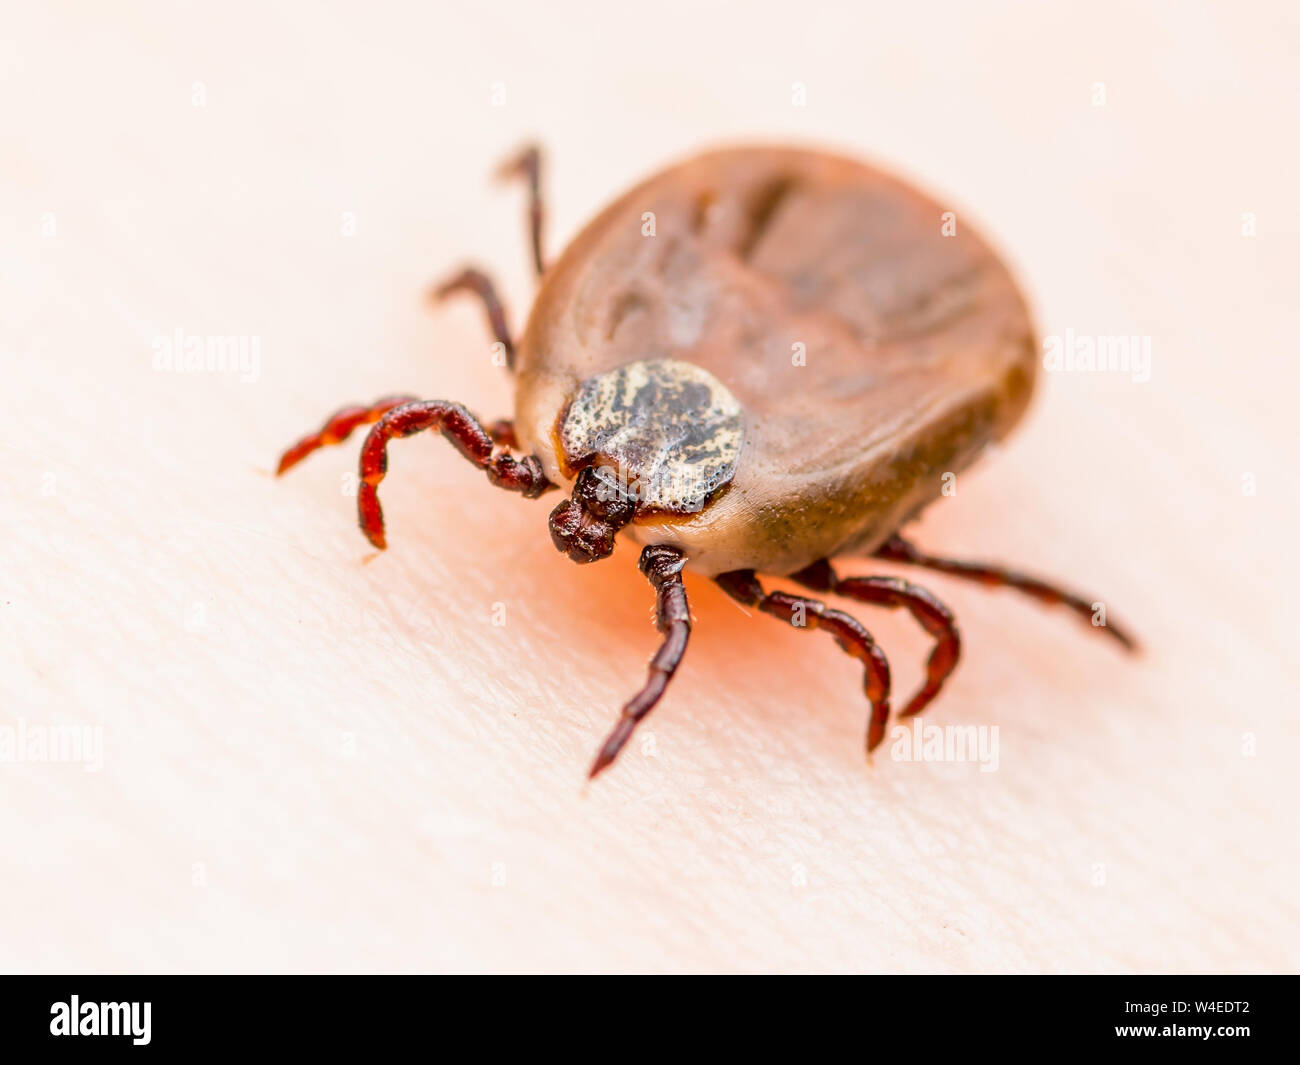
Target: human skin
(316, 757)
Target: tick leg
(800, 612)
(663, 566)
(503, 432)
(528, 165)
(337, 428)
(896, 549)
(464, 431)
(478, 283)
(893, 592)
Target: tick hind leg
(478, 283)
(488, 449)
(893, 592)
(896, 549)
(527, 164)
(663, 566)
(799, 612)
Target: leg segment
(663, 566)
(340, 425)
(798, 612)
(528, 165)
(896, 549)
(892, 592)
(337, 428)
(503, 432)
(402, 416)
(478, 283)
(464, 431)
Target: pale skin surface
(315, 763)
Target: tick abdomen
(873, 344)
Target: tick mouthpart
(583, 527)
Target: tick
(755, 361)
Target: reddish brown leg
(340, 425)
(663, 565)
(470, 439)
(337, 428)
(528, 165)
(896, 549)
(892, 592)
(503, 432)
(799, 612)
(478, 283)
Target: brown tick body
(756, 361)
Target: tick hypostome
(783, 369)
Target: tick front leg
(340, 425)
(479, 284)
(896, 549)
(801, 612)
(893, 592)
(663, 566)
(337, 428)
(487, 448)
(459, 426)
(528, 165)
